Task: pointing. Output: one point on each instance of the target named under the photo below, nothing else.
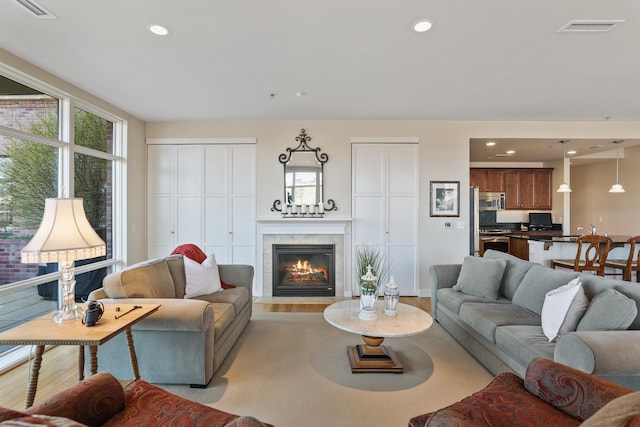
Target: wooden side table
(43, 331)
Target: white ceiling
(546, 150)
(351, 59)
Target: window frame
(67, 149)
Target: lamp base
(68, 314)
(70, 310)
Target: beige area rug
(292, 369)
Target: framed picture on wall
(445, 198)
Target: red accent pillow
(191, 251)
(226, 285)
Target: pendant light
(564, 187)
(617, 188)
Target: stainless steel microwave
(491, 201)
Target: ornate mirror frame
(313, 161)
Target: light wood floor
(60, 370)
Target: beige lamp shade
(65, 235)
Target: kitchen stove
(494, 231)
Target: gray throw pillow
(480, 277)
(536, 283)
(513, 273)
(609, 310)
(148, 279)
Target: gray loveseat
(186, 340)
(505, 333)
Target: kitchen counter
(542, 248)
(550, 238)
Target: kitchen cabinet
(528, 188)
(519, 247)
(487, 180)
(542, 188)
(385, 212)
(202, 194)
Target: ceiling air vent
(599, 26)
(35, 9)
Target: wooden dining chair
(629, 265)
(595, 248)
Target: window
(40, 158)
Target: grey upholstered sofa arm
(174, 314)
(442, 276)
(237, 274)
(602, 353)
(97, 294)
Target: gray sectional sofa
(186, 340)
(497, 317)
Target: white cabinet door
(161, 212)
(385, 207)
(188, 194)
(205, 195)
(216, 198)
(230, 203)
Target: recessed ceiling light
(511, 152)
(590, 26)
(572, 152)
(490, 144)
(158, 30)
(35, 9)
(422, 26)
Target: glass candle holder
(368, 296)
(391, 297)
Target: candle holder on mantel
(296, 211)
(368, 296)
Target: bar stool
(595, 255)
(629, 265)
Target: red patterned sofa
(100, 400)
(551, 394)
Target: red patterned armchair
(551, 394)
(100, 400)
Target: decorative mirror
(303, 181)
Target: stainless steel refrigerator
(474, 221)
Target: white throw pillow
(562, 309)
(202, 279)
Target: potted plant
(369, 261)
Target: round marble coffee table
(372, 356)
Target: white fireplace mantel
(300, 228)
(303, 226)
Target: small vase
(368, 296)
(391, 297)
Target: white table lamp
(64, 236)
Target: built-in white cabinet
(385, 207)
(202, 194)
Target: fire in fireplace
(303, 270)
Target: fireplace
(303, 270)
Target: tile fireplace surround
(304, 231)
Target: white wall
(444, 155)
(592, 202)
